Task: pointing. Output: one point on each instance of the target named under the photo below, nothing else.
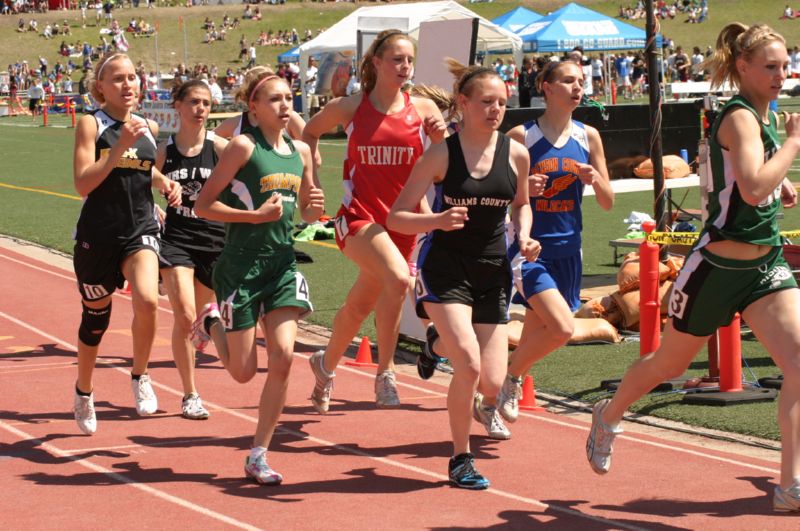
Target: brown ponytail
(737, 41)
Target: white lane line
(133, 446)
(54, 450)
(341, 367)
(541, 418)
(11, 368)
(303, 436)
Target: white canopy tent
(343, 35)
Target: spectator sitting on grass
(248, 13)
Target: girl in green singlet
(258, 183)
(737, 264)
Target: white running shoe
(192, 408)
(143, 394)
(600, 443)
(321, 395)
(508, 398)
(785, 501)
(386, 390)
(490, 418)
(84, 413)
(259, 470)
(199, 337)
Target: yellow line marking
(39, 191)
(322, 244)
(16, 349)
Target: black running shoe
(463, 474)
(427, 360)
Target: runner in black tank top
(487, 199)
(116, 236)
(190, 245)
(120, 208)
(463, 274)
(182, 226)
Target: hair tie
(475, 72)
(383, 39)
(102, 66)
(258, 86)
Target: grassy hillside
(302, 15)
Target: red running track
(355, 468)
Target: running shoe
(490, 418)
(462, 473)
(600, 443)
(84, 413)
(427, 360)
(386, 390)
(199, 337)
(192, 408)
(321, 395)
(788, 500)
(143, 394)
(258, 469)
(509, 397)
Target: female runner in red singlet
(387, 131)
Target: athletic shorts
(32, 104)
(249, 286)
(98, 268)
(532, 278)
(483, 283)
(174, 255)
(347, 223)
(710, 289)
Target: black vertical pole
(654, 91)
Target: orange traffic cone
(528, 402)
(126, 289)
(364, 356)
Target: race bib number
(677, 303)
(341, 227)
(151, 241)
(419, 288)
(226, 314)
(92, 292)
(301, 293)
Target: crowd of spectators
(18, 7)
(696, 11)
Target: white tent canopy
(343, 35)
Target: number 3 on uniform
(677, 303)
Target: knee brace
(94, 323)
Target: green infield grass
(40, 205)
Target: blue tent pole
(656, 150)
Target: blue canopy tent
(290, 56)
(516, 19)
(574, 25)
